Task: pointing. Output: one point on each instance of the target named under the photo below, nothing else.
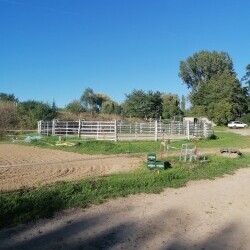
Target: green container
(151, 156)
(160, 165)
(151, 164)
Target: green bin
(151, 165)
(151, 157)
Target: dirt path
(25, 166)
(245, 131)
(203, 215)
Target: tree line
(138, 104)
(215, 92)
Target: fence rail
(118, 131)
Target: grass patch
(28, 205)
(223, 139)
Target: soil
(241, 131)
(210, 214)
(25, 166)
(207, 214)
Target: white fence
(118, 131)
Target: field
(41, 180)
(25, 167)
(39, 164)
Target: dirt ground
(207, 214)
(25, 166)
(210, 214)
(245, 131)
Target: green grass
(224, 139)
(28, 205)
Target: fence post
(136, 130)
(53, 127)
(115, 130)
(156, 130)
(97, 130)
(39, 127)
(188, 130)
(79, 128)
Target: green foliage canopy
(31, 111)
(143, 105)
(171, 106)
(215, 90)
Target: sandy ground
(245, 131)
(25, 166)
(241, 131)
(210, 214)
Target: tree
(200, 68)
(100, 99)
(183, 104)
(31, 111)
(8, 116)
(246, 81)
(213, 83)
(143, 105)
(170, 106)
(246, 78)
(88, 99)
(75, 107)
(8, 97)
(108, 107)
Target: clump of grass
(27, 205)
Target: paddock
(120, 130)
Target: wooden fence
(118, 130)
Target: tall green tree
(183, 104)
(143, 104)
(200, 68)
(171, 106)
(213, 83)
(246, 78)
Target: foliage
(75, 107)
(143, 105)
(8, 115)
(246, 78)
(197, 111)
(109, 107)
(8, 97)
(215, 90)
(202, 66)
(171, 106)
(28, 205)
(245, 118)
(29, 112)
(98, 102)
(88, 99)
(183, 104)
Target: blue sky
(54, 49)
